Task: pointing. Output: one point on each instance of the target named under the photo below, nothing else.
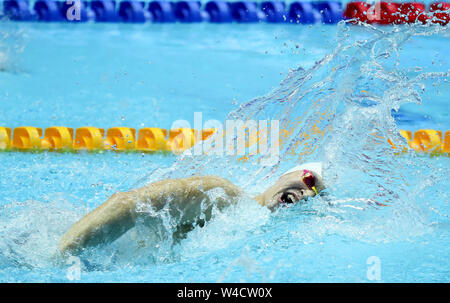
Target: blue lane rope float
(301, 12)
(133, 12)
(162, 11)
(246, 12)
(275, 12)
(104, 11)
(304, 13)
(190, 11)
(219, 11)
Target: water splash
(30, 232)
(11, 47)
(339, 112)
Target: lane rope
(153, 139)
(298, 12)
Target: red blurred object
(357, 10)
(386, 12)
(411, 12)
(442, 12)
(381, 12)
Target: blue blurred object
(331, 11)
(219, 11)
(104, 10)
(17, 10)
(304, 13)
(245, 12)
(189, 11)
(133, 12)
(76, 11)
(406, 117)
(162, 11)
(48, 10)
(274, 11)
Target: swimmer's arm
(104, 224)
(186, 191)
(118, 214)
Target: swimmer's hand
(118, 214)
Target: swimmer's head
(292, 187)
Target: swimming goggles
(309, 179)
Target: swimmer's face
(289, 189)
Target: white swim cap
(313, 166)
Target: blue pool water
(109, 75)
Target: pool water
(148, 75)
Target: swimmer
(188, 201)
